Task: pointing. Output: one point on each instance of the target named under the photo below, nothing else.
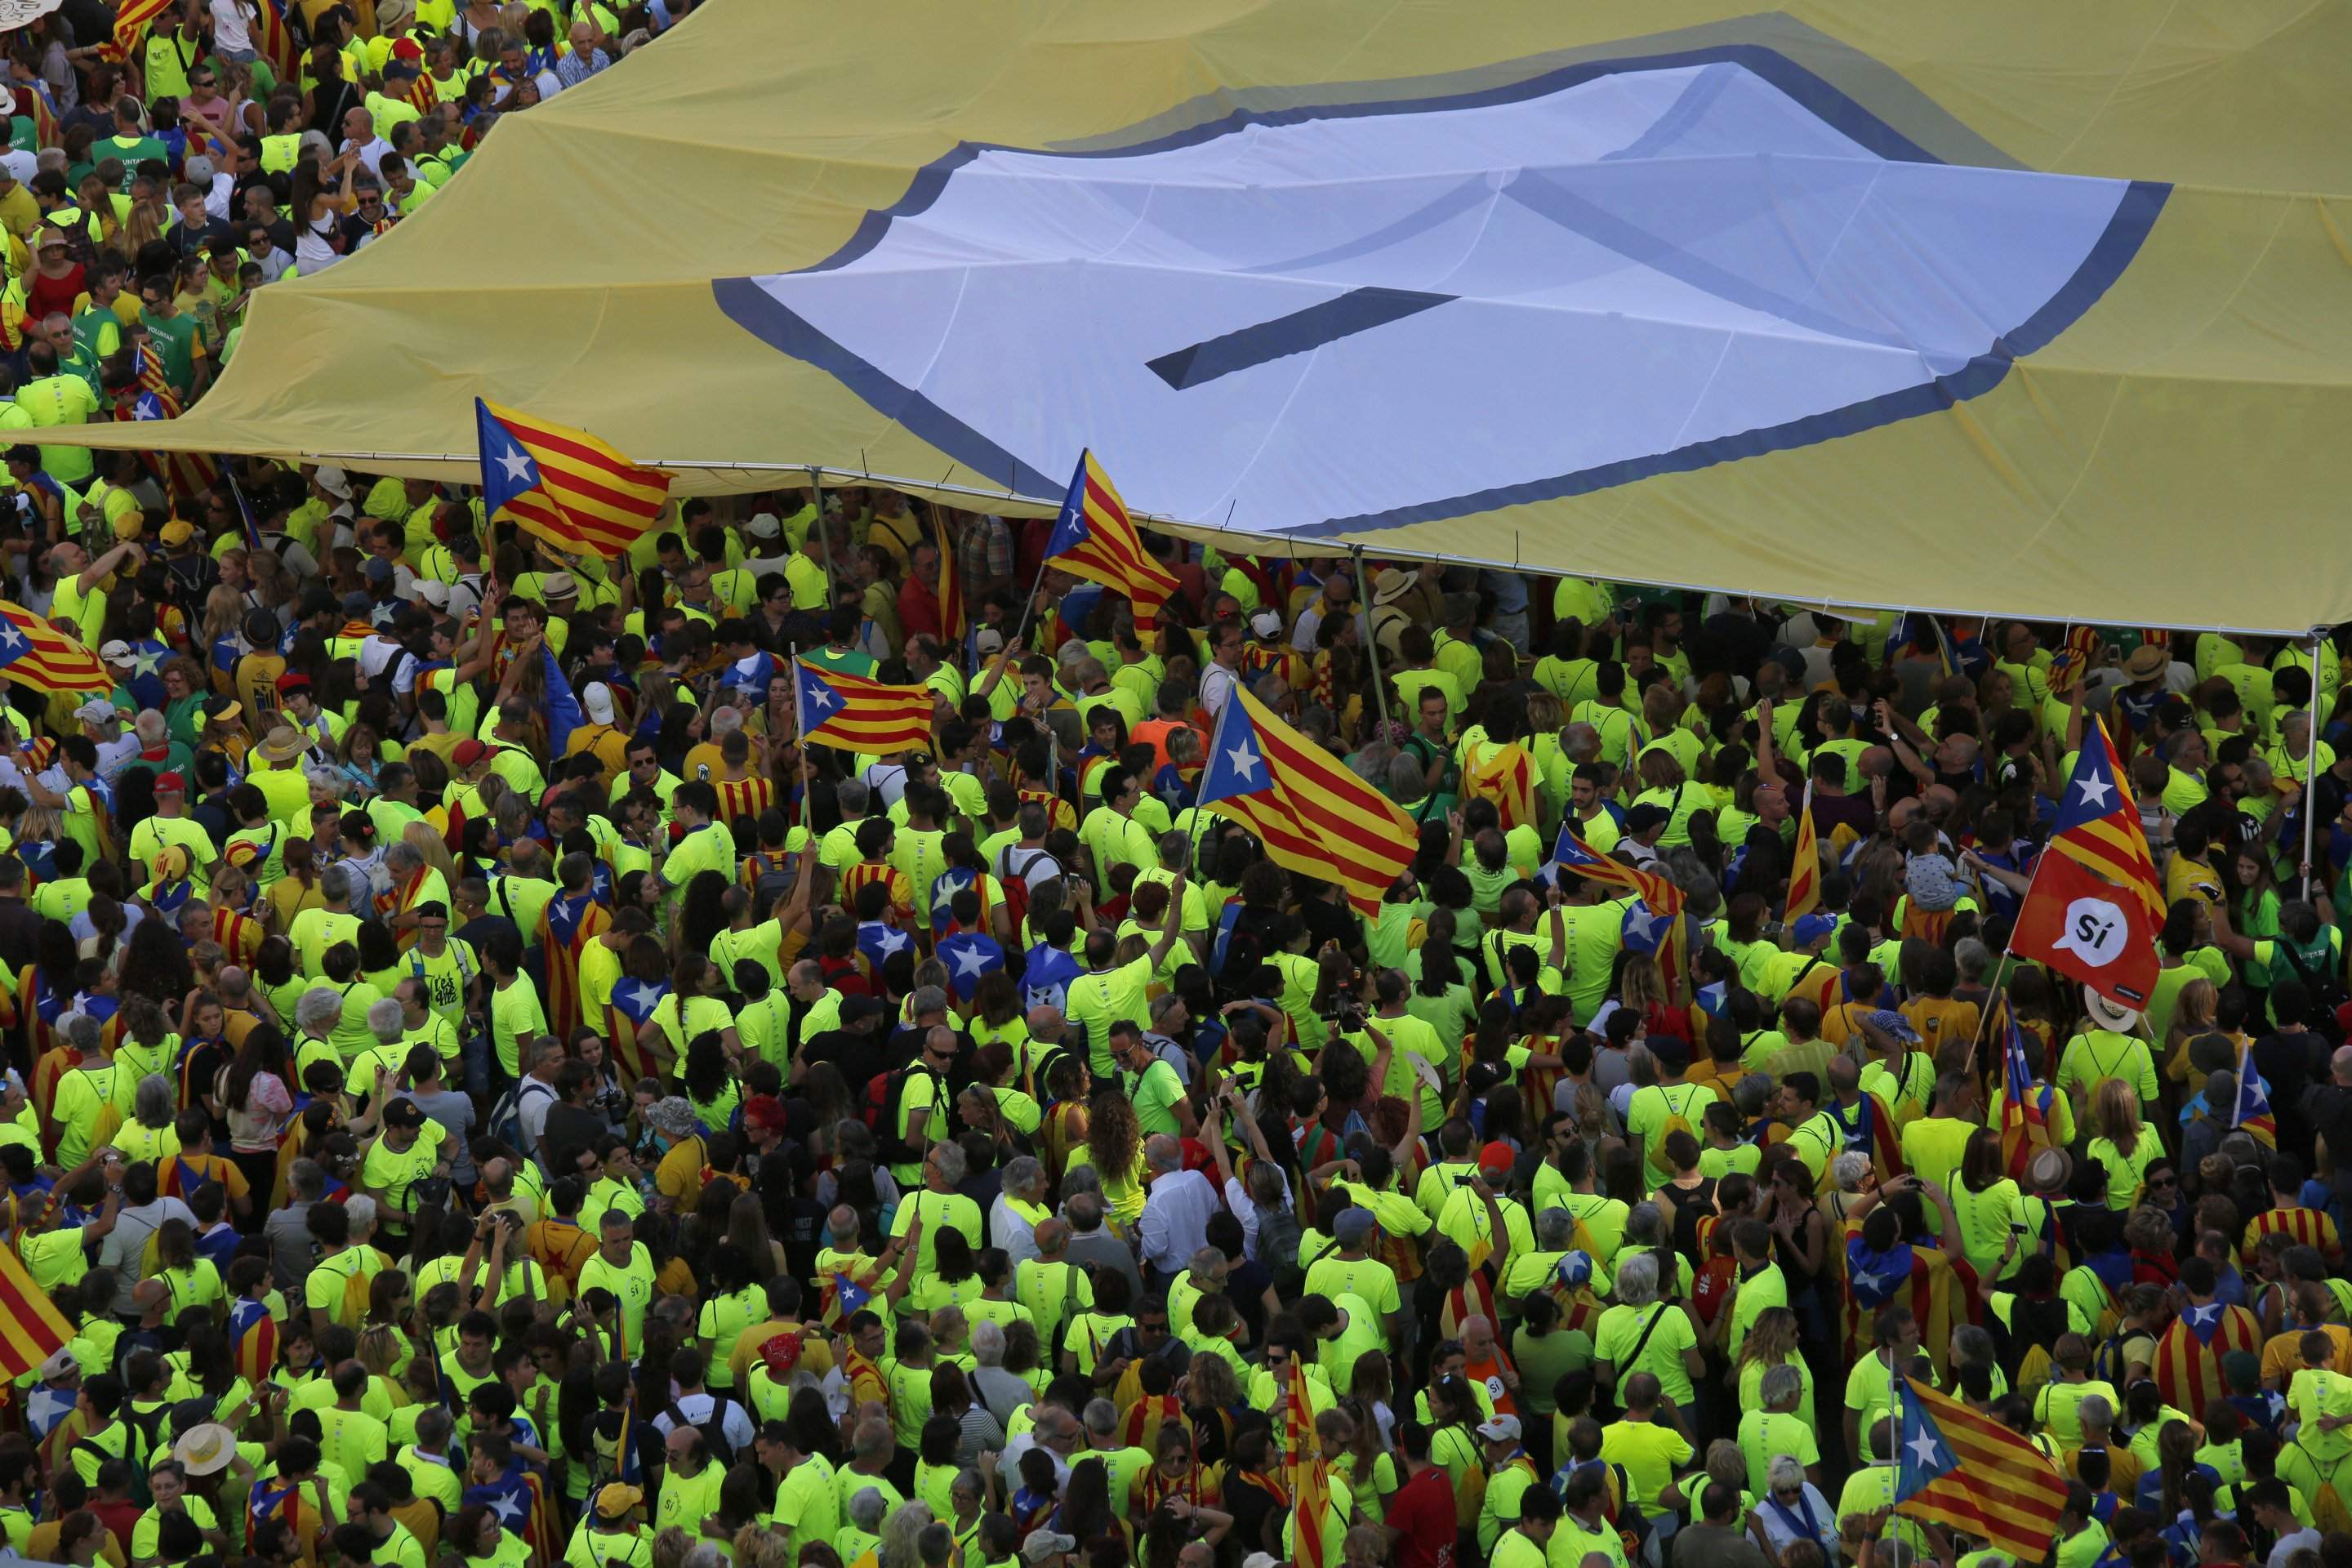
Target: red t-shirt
(1422, 1511)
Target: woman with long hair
(1983, 1198)
(1114, 1147)
(709, 1080)
(322, 196)
(1771, 1342)
(2125, 1144)
(746, 1229)
(297, 889)
(155, 963)
(191, 1280)
(254, 1093)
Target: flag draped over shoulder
(1959, 1468)
(1094, 538)
(130, 24)
(1311, 813)
(39, 656)
(31, 1329)
(564, 485)
(859, 713)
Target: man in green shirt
(53, 398)
(177, 338)
(1105, 995)
(808, 1505)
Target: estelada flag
(562, 484)
(2252, 1109)
(2024, 1106)
(2189, 1355)
(1955, 1467)
(1311, 813)
(2081, 924)
(1094, 538)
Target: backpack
(2326, 987)
(771, 878)
(713, 1428)
(1278, 1234)
(1014, 880)
(1677, 1118)
(506, 1116)
(883, 1092)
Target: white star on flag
(1925, 1446)
(146, 663)
(1245, 761)
(943, 894)
(2202, 1316)
(970, 961)
(515, 464)
(822, 698)
(643, 995)
(891, 941)
(9, 636)
(2095, 792)
(510, 1508)
(1870, 1282)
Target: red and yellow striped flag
(130, 24)
(39, 656)
(1310, 812)
(563, 484)
(1310, 1477)
(2097, 824)
(1959, 1469)
(31, 1329)
(859, 713)
(275, 39)
(1094, 538)
(951, 604)
(1804, 864)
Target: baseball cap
(358, 606)
(403, 1113)
(1497, 1156)
(1044, 1543)
(1502, 1428)
(334, 481)
(95, 711)
(465, 753)
(170, 783)
(987, 642)
(62, 1364)
(614, 1499)
(378, 569)
(1811, 928)
(597, 702)
(179, 530)
(433, 591)
(115, 652)
(1265, 622)
(1353, 1224)
(764, 525)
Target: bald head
(1053, 1236)
(1045, 1022)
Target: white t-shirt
(233, 26)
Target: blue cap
(1810, 929)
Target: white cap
(1265, 622)
(764, 525)
(98, 711)
(334, 481)
(433, 592)
(597, 702)
(988, 642)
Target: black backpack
(713, 1428)
(883, 1092)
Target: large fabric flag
(2252, 1108)
(2188, 1354)
(39, 656)
(253, 1339)
(31, 1329)
(1094, 538)
(2073, 660)
(2081, 924)
(952, 612)
(1572, 854)
(1313, 816)
(130, 24)
(2097, 824)
(274, 39)
(1955, 1467)
(859, 713)
(1310, 1477)
(1804, 864)
(564, 484)
(2024, 1107)
(563, 712)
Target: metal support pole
(2311, 759)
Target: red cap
(1497, 1156)
(294, 682)
(465, 753)
(171, 782)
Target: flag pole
(2311, 758)
(831, 583)
(800, 724)
(1371, 641)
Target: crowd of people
(483, 1089)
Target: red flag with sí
(2081, 924)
